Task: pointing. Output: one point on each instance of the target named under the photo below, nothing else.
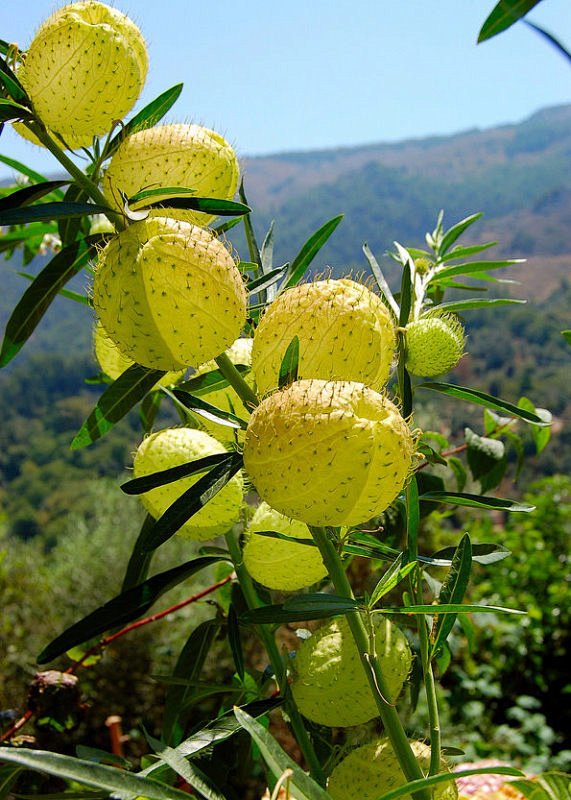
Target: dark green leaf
(476, 501)
(308, 252)
(455, 232)
(188, 667)
(550, 38)
(163, 192)
(541, 435)
(481, 399)
(290, 364)
(69, 227)
(253, 248)
(425, 783)
(124, 608)
(115, 402)
(209, 381)
(284, 538)
(476, 269)
(503, 15)
(265, 281)
(38, 296)
(235, 643)
(192, 500)
(567, 336)
(482, 553)
(147, 117)
(466, 252)
(464, 305)
(405, 295)
(448, 608)
(82, 299)
(13, 112)
(459, 471)
(11, 83)
(486, 459)
(139, 562)
(109, 779)
(453, 591)
(208, 411)
(148, 410)
(381, 281)
(392, 577)
(50, 211)
(147, 482)
(277, 760)
(186, 769)
(19, 167)
(302, 607)
(208, 205)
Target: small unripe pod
(276, 563)
(84, 69)
(173, 155)
(373, 769)
(434, 344)
(328, 452)
(169, 294)
(113, 363)
(330, 686)
(172, 447)
(345, 333)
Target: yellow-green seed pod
(173, 155)
(330, 686)
(328, 452)
(169, 294)
(227, 399)
(113, 363)
(172, 447)
(84, 69)
(276, 563)
(345, 333)
(373, 769)
(434, 344)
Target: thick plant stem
(387, 711)
(244, 392)
(269, 641)
(90, 188)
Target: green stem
(266, 634)
(244, 392)
(387, 712)
(79, 176)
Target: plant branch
(244, 392)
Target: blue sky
(311, 74)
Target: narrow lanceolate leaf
(29, 194)
(49, 211)
(453, 591)
(456, 231)
(208, 205)
(265, 281)
(193, 500)
(466, 252)
(302, 607)
(235, 642)
(13, 112)
(475, 268)
(161, 193)
(392, 577)
(482, 399)
(124, 608)
(147, 482)
(208, 411)
(308, 252)
(449, 608)
(186, 769)
(209, 381)
(407, 789)
(381, 281)
(301, 785)
(405, 295)
(464, 305)
(11, 83)
(139, 563)
(147, 117)
(503, 16)
(120, 782)
(550, 38)
(476, 501)
(25, 170)
(290, 364)
(38, 296)
(482, 553)
(115, 402)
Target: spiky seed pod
(373, 769)
(328, 452)
(172, 447)
(173, 155)
(169, 294)
(227, 399)
(345, 333)
(85, 68)
(434, 344)
(276, 563)
(330, 686)
(113, 363)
